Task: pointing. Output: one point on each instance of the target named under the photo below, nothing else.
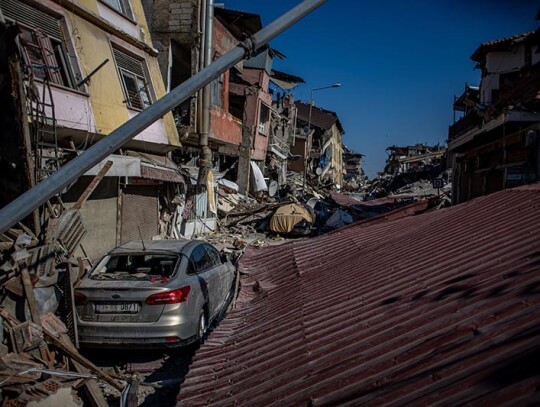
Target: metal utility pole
(69, 173)
(205, 154)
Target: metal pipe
(208, 51)
(200, 67)
(205, 154)
(69, 173)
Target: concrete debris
(265, 219)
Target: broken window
(122, 6)
(264, 119)
(135, 266)
(135, 83)
(42, 42)
(217, 91)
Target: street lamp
(335, 85)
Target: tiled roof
(439, 308)
(240, 23)
(322, 118)
(502, 43)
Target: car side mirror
(224, 257)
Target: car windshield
(136, 266)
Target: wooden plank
(34, 312)
(64, 343)
(90, 188)
(132, 400)
(29, 292)
(90, 387)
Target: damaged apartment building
(319, 141)
(231, 124)
(414, 158)
(494, 142)
(72, 73)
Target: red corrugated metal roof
(342, 199)
(440, 308)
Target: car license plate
(117, 308)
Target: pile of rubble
(39, 360)
(412, 184)
(302, 209)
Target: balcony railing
(463, 125)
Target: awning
(123, 166)
(126, 166)
(154, 171)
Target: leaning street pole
(69, 173)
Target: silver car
(153, 294)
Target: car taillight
(80, 298)
(169, 297)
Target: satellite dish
(272, 189)
(305, 130)
(318, 171)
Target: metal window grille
(41, 41)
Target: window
(134, 81)
(214, 256)
(216, 87)
(122, 6)
(42, 42)
(203, 259)
(135, 266)
(264, 119)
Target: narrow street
(305, 203)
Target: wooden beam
(93, 185)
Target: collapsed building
(414, 170)
(354, 177)
(414, 158)
(233, 122)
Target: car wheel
(202, 327)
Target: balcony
(466, 123)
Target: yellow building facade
(98, 58)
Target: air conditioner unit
(261, 127)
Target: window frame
(50, 49)
(263, 124)
(205, 264)
(125, 7)
(212, 251)
(142, 92)
(217, 87)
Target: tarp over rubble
(287, 216)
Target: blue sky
(400, 63)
